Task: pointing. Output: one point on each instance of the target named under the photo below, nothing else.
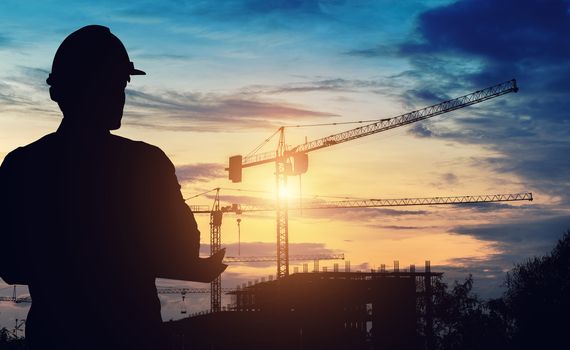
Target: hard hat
(90, 52)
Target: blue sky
(226, 74)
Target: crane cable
(263, 143)
(201, 194)
(225, 189)
(334, 123)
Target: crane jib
(390, 123)
(375, 203)
(411, 117)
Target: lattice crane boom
(240, 259)
(372, 203)
(184, 291)
(375, 203)
(387, 124)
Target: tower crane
(294, 160)
(216, 214)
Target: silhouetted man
(90, 219)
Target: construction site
(322, 308)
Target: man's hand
(197, 269)
(207, 269)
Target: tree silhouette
(532, 314)
(538, 298)
(464, 321)
(8, 341)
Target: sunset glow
(223, 76)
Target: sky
(223, 76)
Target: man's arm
(12, 259)
(178, 240)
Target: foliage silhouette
(538, 298)
(530, 315)
(8, 341)
(464, 321)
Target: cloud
(488, 273)
(400, 227)
(529, 43)
(260, 7)
(161, 57)
(449, 178)
(516, 240)
(26, 91)
(470, 44)
(7, 95)
(318, 85)
(492, 207)
(509, 31)
(270, 249)
(35, 77)
(256, 249)
(246, 23)
(245, 201)
(527, 237)
(361, 215)
(201, 172)
(374, 52)
(420, 130)
(211, 112)
(364, 267)
(232, 10)
(522, 242)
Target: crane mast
(215, 246)
(282, 210)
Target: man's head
(89, 74)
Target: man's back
(87, 219)
(87, 216)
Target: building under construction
(320, 310)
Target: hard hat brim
(135, 71)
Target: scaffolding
(328, 309)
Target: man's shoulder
(23, 152)
(137, 147)
(141, 153)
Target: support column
(282, 210)
(215, 246)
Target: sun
(284, 193)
